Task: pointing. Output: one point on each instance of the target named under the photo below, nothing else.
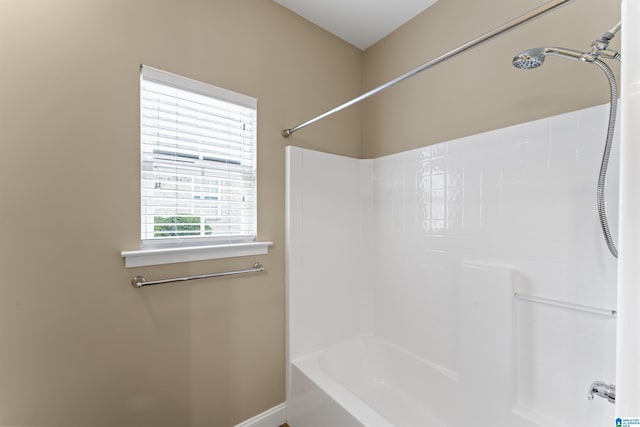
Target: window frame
(200, 88)
(167, 251)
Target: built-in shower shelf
(568, 305)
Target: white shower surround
(379, 247)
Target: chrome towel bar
(565, 304)
(140, 281)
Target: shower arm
(535, 13)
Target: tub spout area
(600, 389)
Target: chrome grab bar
(569, 305)
(140, 281)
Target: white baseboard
(273, 417)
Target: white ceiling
(359, 22)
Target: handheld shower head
(533, 58)
(529, 59)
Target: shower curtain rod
(535, 13)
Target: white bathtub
(368, 382)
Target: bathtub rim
(312, 368)
(309, 366)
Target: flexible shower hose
(602, 213)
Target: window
(198, 162)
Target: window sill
(145, 257)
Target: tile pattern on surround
(522, 197)
(381, 245)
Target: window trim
(160, 251)
(146, 257)
(166, 78)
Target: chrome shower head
(533, 58)
(529, 59)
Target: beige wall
(480, 90)
(78, 345)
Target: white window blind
(198, 162)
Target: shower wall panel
(426, 248)
(328, 251)
(522, 198)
